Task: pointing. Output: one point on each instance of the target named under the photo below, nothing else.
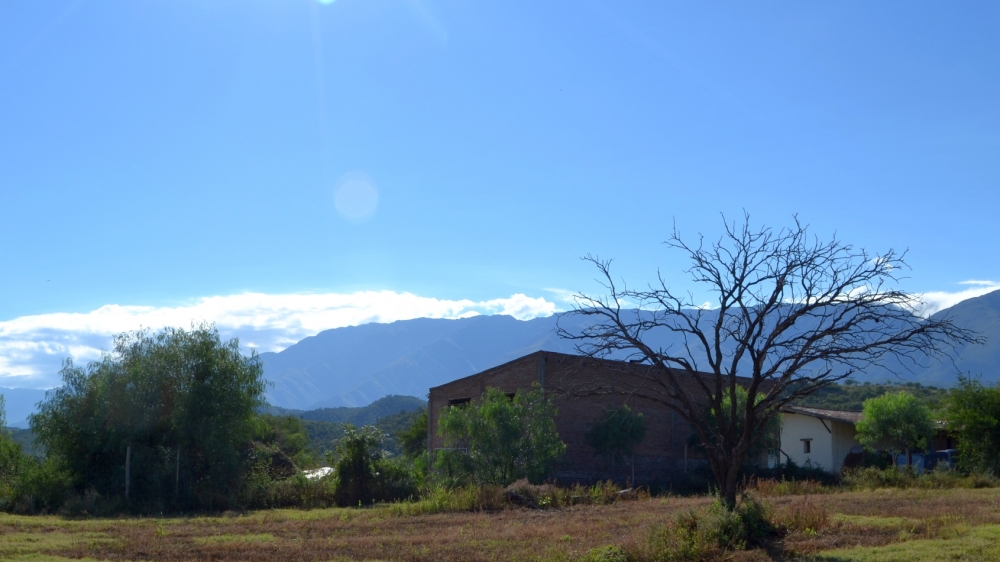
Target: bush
(40, 486)
(698, 534)
(363, 473)
(871, 478)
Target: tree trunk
(726, 467)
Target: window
(459, 401)
(807, 445)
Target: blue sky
(176, 159)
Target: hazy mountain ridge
(411, 356)
(352, 367)
(356, 366)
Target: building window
(459, 401)
(807, 446)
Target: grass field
(888, 524)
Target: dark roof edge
(612, 362)
(822, 413)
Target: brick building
(582, 388)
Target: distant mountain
(356, 365)
(982, 315)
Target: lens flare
(356, 197)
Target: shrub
(363, 473)
(40, 486)
(700, 534)
(806, 515)
(871, 478)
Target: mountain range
(355, 366)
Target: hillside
(364, 415)
(325, 426)
(852, 396)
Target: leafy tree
(792, 315)
(179, 406)
(502, 439)
(973, 414)
(617, 433)
(896, 420)
(289, 435)
(414, 438)
(364, 473)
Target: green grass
(979, 543)
(222, 539)
(25, 545)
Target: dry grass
(859, 520)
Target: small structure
(818, 437)
(583, 388)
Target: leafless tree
(794, 314)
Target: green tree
(414, 438)
(179, 407)
(973, 415)
(617, 433)
(502, 439)
(364, 472)
(895, 420)
(288, 434)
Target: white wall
(828, 447)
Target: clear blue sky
(156, 152)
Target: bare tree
(794, 315)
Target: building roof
(844, 416)
(560, 357)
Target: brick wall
(582, 388)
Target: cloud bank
(936, 301)
(33, 347)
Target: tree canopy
(179, 406)
(617, 433)
(973, 415)
(896, 421)
(500, 439)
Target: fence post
(128, 469)
(177, 474)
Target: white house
(818, 437)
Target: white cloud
(936, 301)
(32, 347)
(568, 297)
